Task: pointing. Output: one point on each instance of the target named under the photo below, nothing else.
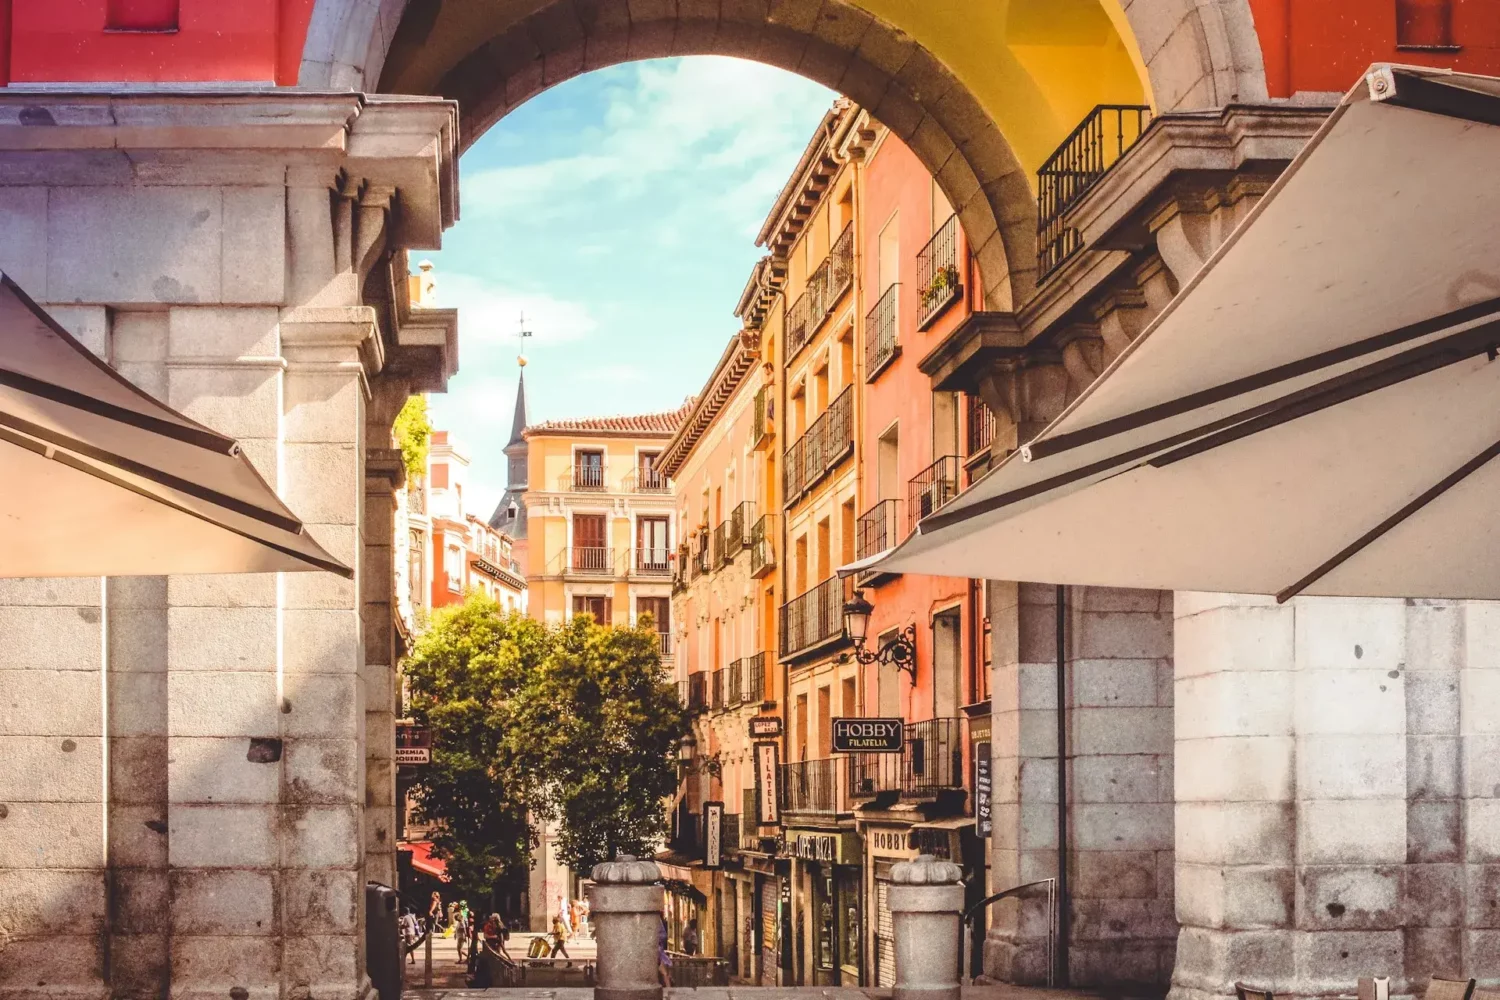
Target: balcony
(701, 554)
(763, 429)
(753, 680)
(875, 532)
(716, 690)
(741, 519)
(762, 548)
(582, 479)
(697, 692)
(825, 287)
(730, 837)
(980, 426)
(1084, 157)
(416, 495)
(813, 786)
(930, 489)
(592, 559)
(664, 644)
(827, 442)
(814, 619)
(644, 480)
(721, 545)
(734, 694)
(651, 562)
(930, 762)
(939, 278)
(880, 334)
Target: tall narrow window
(590, 547)
(1424, 24)
(588, 470)
(947, 660)
(141, 15)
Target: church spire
(518, 422)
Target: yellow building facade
(601, 524)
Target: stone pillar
(1335, 784)
(927, 903)
(625, 908)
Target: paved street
(756, 993)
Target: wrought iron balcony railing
(813, 786)
(764, 409)
(647, 481)
(981, 426)
(716, 689)
(814, 618)
(934, 757)
(827, 442)
(697, 700)
(939, 278)
(592, 559)
(651, 562)
(701, 553)
(930, 489)
(721, 554)
(1084, 156)
(798, 329)
(584, 479)
(871, 774)
(875, 531)
(762, 547)
(664, 643)
(880, 334)
(826, 285)
(753, 678)
(734, 692)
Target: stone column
(927, 903)
(1335, 779)
(625, 908)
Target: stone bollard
(625, 907)
(927, 903)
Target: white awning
(100, 479)
(1316, 411)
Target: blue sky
(619, 211)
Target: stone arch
(493, 56)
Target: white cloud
(489, 313)
(678, 117)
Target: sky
(618, 212)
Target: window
(652, 545)
(453, 565)
(1424, 24)
(590, 548)
(944, 424)
(941, 208)
(889, 261)
(888, 678)
(588, 470)
(887, 467)
(647, 477)
(660, 610)
(415, 569)
(947, 661)
(590, 604)
(825, 722)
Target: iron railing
(753, 678)
(826, 443)
(697, 699)
(716, 700)
(875, 531)
(870, 774)
(762, 547)
(930, 489)
(721, 544)
(939, 280)
(643, 480)
(701, 554)
(741, 520)
(981, 426)
(811, 786)
(1084, 156)
(652, 561)
(585, 478)
(813, 618)
(416, 495)
(798, 329)
(734, 694)
(664, 643)
(592, 559)
(880, 334)
(934, 757)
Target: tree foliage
(413, 433)
(577, 724)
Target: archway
(981, 97)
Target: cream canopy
(1318, 410)
(99, 479)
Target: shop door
(770, 931)
(849, 926)
(885, 936)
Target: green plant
(413, 433)
(943, 279)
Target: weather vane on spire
(524, 334)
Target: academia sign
(867, 735)
(413, 744)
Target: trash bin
(383, 940)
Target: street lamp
(900, 651)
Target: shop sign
(868, 735)
(713, 835)
(816, 847)
(413, 744)
(765, 727)
(982, 788)
(767, 775)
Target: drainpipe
(1063, 903)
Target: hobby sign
(867, 735)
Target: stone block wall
(1336, 793)
(1118, 702)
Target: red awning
(423, 861)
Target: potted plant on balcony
(944, 281)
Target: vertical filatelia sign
(713, 835)
(767, 771)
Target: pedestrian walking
(411, 932)
(435, 912)
(559, 937)
(663, 957)
(690, 937)
(461, 930)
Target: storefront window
(825, 926)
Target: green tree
(413, 433)
(464, 672)
(596, 733)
